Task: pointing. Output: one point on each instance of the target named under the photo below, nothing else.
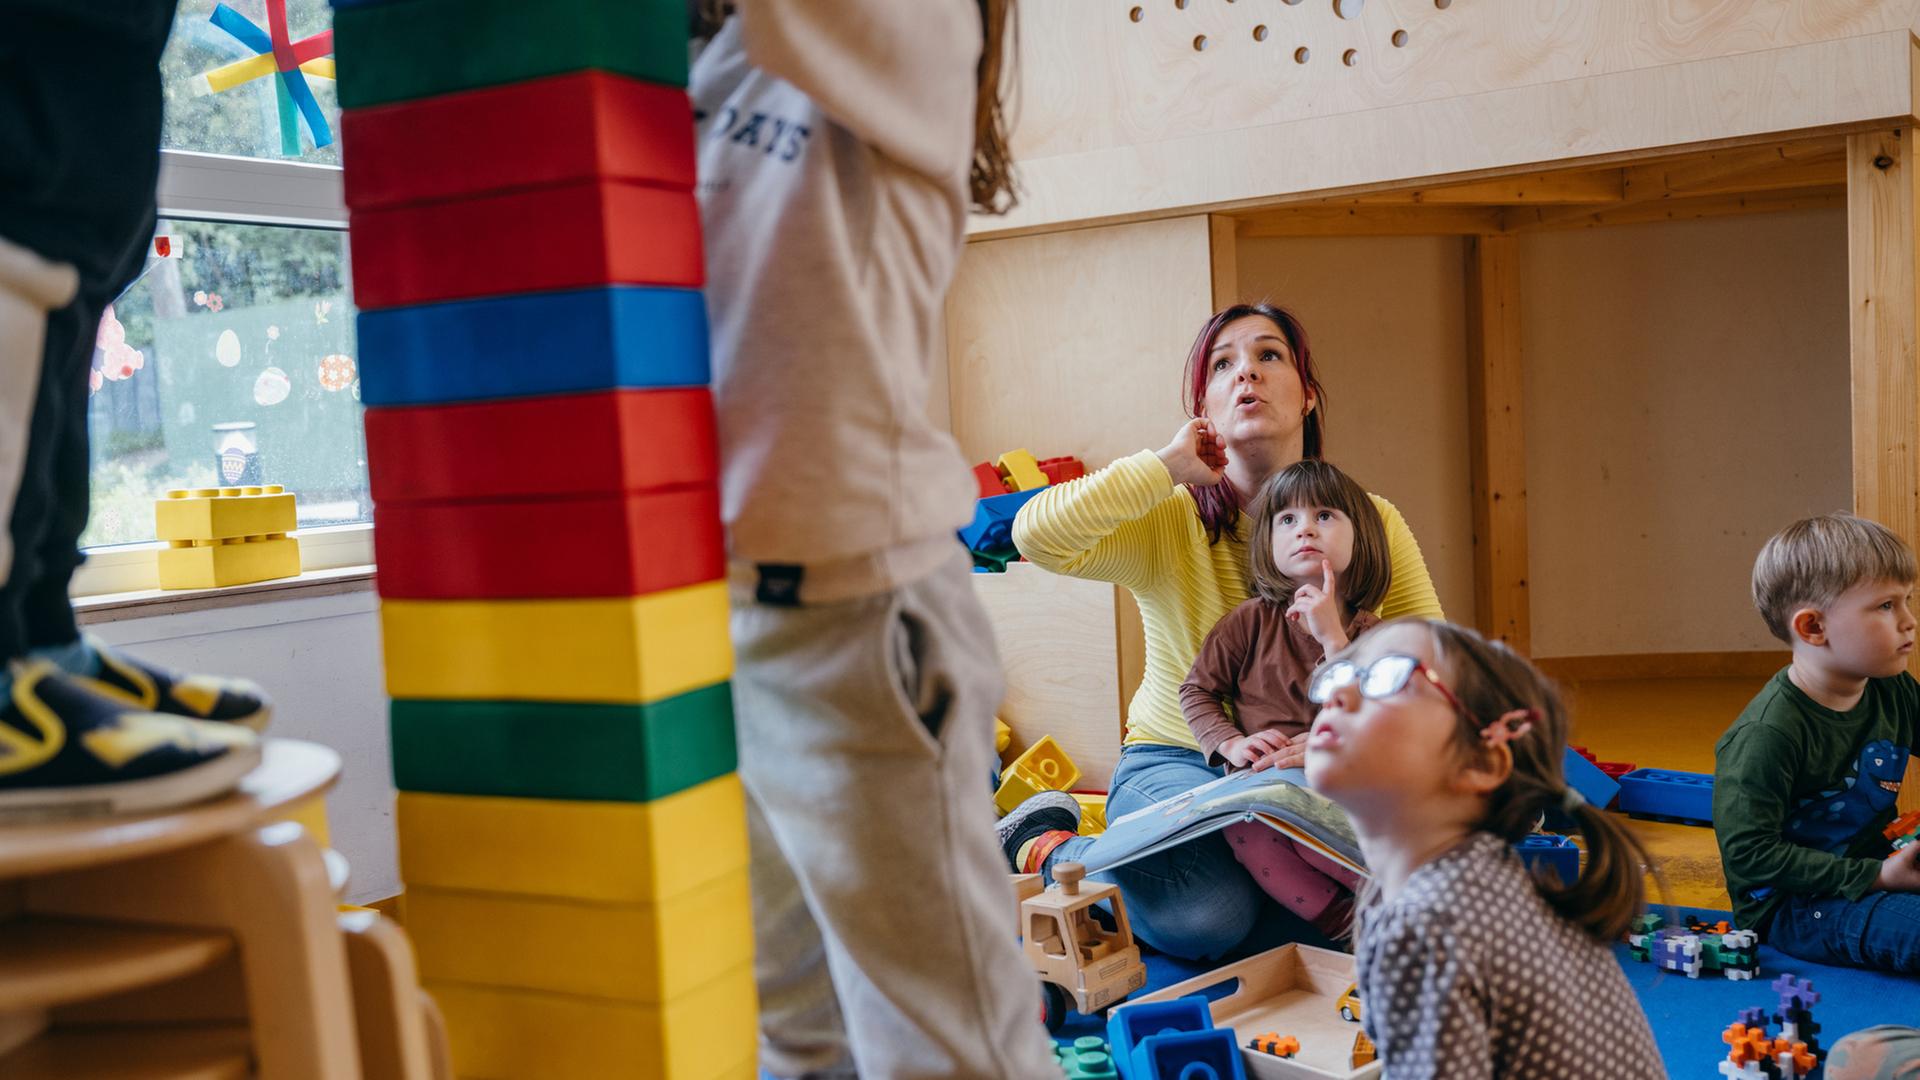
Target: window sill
(145, 603)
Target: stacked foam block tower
(540, 439)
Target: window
(230, 363)
(236, 350)
(243, 121)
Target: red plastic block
(602, 443)
(566, 237)
(603, 545)
(1059, 470)
(988, 478)
(583, 126)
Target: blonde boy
(1806, 778)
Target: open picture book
(1278, 798)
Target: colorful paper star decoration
(291, 61)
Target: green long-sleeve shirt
(1801, 792)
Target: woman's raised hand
(1197, 455)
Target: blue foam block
(1586, 778)
(1131, 1024)
(532, 344)
(1555, 852)
(1189, 1055)
(1663, 793)
(991, 530)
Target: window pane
(230, 364)
(243, 121)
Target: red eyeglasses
(1385, 677)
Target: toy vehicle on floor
(1349, 1003)
(1081, 962)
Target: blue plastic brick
(1596, 787)
(1189, 1055)
(1557, 853)
(1667, 795)
(991, 529)
(531, 344)
(1129, 1025)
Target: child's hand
(1901, 871)
(1290, 754)
(1318, 608)
(1197, 455)
(1245, 751)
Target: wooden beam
(1497, 441)
(1372, 221)
(1529, 219)
(1724, 172)
(1883, 293)
(1550, 188)
(1223, 251)
(1756, 665)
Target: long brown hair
(1311, 482)
(1219, 505)
(1492, 680)
(991, 182)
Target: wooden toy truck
(1080, 962)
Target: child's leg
(865, 728)
(801, 1030)
(1880, 930)
(1281, 868)
(1885, 1052)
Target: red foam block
(601, 443)
(582, 126)
(566, 237)
(600, 545)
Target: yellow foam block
(1093, 813)
(709, 1034)
(646, 952)
(224, 513)
(1041, 767)
(218, 564)
(598, 851)
(629, 649)
(1020, 470)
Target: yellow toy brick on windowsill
(225, 536)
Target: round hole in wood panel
(1200, 43)
(1300, 54)
(1180, 4)
(1291, 3)
(1399, 39)
(1350, 57)
(1348, 9)
(1135, 14)
(1260, 32)
(1443, 4)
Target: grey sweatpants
(883, 912)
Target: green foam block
(541, 750)
(420, 48)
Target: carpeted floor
(1688, 1015)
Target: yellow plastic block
(628, 649)
(220, 563)
(1042, 767)
(609, 852)
(1002, 736)
(1093, 813)
(709, 1034)
(1019, 469)
(224, 513)
(312, 816)
(645, 953)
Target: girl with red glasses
(1444, 749)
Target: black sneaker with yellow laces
(69, 752)
(156, 689)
